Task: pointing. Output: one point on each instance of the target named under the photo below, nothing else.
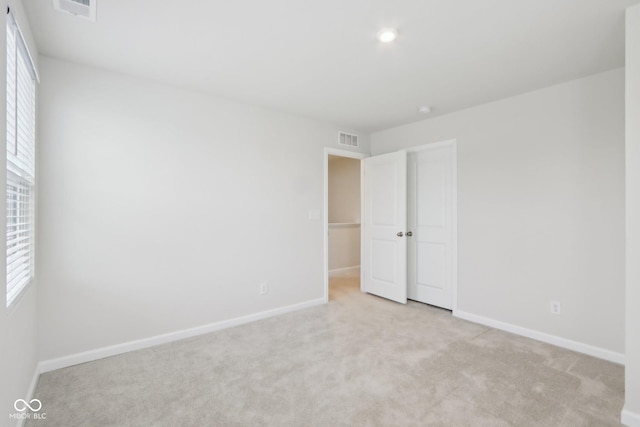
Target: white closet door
(431, 218)
(384, 254)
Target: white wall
(540, 207)
(631, 413)
(18, 354)
(344, 246)
(162, 209)
(344, 207)
(344, 189)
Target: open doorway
(342, 213)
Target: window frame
(20, 178)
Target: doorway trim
(340, 153)
(434, 145)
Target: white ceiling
(321, 59)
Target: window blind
(20, 163)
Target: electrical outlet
(263, 288)
(556, 307)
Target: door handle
(400, 234)
(409, 234)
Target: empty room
(336, 213)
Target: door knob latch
(400, 234)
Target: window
(21, 89)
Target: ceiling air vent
(82, 8)
(348, 139)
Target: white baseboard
(598, 352)
(347, 271)
(100, 353)
(631, 419)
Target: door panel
(430, 219)
(431, 201)
(385, 183)
(383, 250)
(430, 271)
(384, 254)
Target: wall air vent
(348, 139)
(81, 8)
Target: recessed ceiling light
(424, 110)
(387, 35)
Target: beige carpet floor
(357, 361)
